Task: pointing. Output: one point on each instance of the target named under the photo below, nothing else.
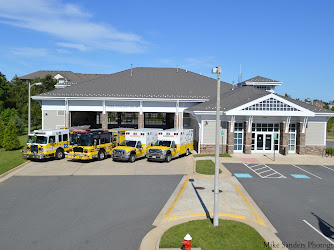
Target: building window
(271, 105)
(155, 119)
(123, 118)
(238, 136)
(292, 137)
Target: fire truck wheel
(168, 158)
(101, 155)
(187, 152)
(132, 158)
(59, 154)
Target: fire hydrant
(187, 242)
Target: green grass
(11, 159)
(206, 167)
(229, 235)
(330, 134)
(220, 155)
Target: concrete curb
(13, 171)
(152, 239)
(169, 203)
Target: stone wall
(247, 144)
(284, 139)
(315, 149)
(300, 140)
(230, 139)
(211, 149)
(140, 120)
(104, 118)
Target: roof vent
(177, 68)
(131, 69)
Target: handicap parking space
(280, 171)
(298, 206)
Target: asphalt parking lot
(81, 212)
(297, 199)
(177, 166)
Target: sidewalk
(194, 199)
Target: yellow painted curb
(250, 207)
(176, 199)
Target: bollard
(187, 242)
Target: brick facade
(300, 140)
(284, 139)
(211, 149)
(247, 143)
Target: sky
(288, 41)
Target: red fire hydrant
(187, 242)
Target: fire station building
(253, 118)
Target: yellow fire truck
(45, 143)
(87, 144)
(171, 143)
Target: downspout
(199, 133)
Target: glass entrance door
(268, 142)
(259, 142)
(264, 142)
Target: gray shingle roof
(69, 75)
(231, 99)
(242, 95)
(147, 83)
(260, 79)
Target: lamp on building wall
(217, 71)
(29, 104)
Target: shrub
(329, 151)
(11, 139)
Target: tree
(2, 132)
(286, 95)
(332, 108)
(11, 140)
(17, 121)
(4, 87)
(8, 114)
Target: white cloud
(207, 61)
(63, 51)
(28, 52)
(68, 22)
(77, 46)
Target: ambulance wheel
(101, 155)
(132, 158)
(168, 158)
(187, 152)
(59, 154)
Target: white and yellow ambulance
(171, 143)
(47, 143)
(136, 144)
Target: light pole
(217, 71)
(37, 83)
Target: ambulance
(171, 143)
(88, 144)
(118, 135)
(47, 143)
(136, 144)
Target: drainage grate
(199, 188)
(220, 191)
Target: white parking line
(265, 167)
(306, 171)
(327, 167)
(318, 231)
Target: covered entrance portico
(265, 137)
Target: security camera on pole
(217, 71)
